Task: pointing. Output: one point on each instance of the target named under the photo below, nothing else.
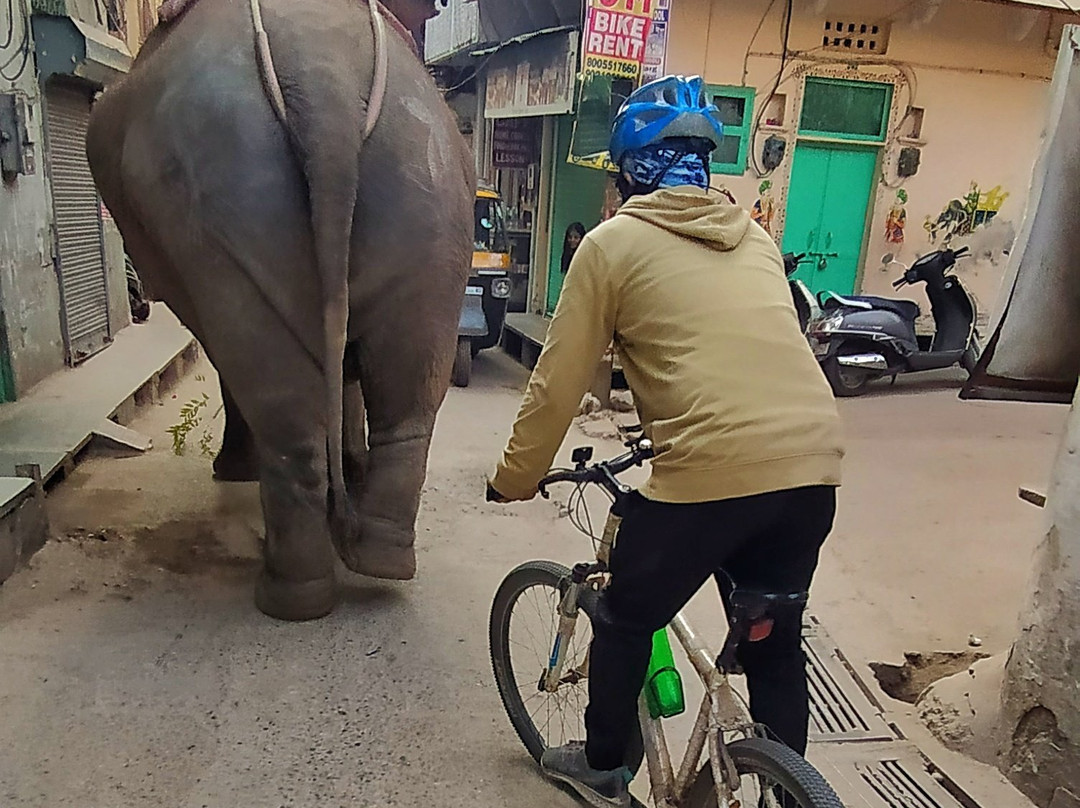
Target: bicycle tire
(516, 583)
(782, 765)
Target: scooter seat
(904, 309)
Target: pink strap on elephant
(171, 9)
(396, 24)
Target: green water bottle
(663, 685)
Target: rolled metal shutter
(84, 294)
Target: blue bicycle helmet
(671, 107)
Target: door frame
(845, 72)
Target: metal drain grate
(898, 788)
(840, 709)
(891, 774)
(863, 757)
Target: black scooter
(863, 338)
(805, 304)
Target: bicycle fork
(568, 613)
(568, 609)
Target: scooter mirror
(888, 258)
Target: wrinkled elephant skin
(240, 225)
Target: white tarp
(1034, 350)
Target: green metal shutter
(80, 249)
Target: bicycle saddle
(750, 615)
(756, 603)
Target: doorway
(842, 127)
(80, 246)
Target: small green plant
(190, 418)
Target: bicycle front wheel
(524, 622)
(771, 774)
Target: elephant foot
(230, 467)
(384, 551)
(295, 600)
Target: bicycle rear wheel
(522, 629)
(772, 774)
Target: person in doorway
(746, 429)
(571, 241)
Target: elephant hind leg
(388, 503)
(403, 384)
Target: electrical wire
(23, 51)
(708, 41)
(474, 74)
(753, 39)
(10, 35)
(785, 38)
(779, 78)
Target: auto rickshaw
(488, 290)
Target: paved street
(135, 670)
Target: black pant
(662, 556)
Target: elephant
(320, 262)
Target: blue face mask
(659, 167)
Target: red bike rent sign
(616, 32)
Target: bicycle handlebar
(604, 473)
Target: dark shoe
(601, 789)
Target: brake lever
(614, 481)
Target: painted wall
(29, 293)
(29, 290)
(980, 71)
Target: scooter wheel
(845, 382)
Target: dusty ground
(136, 672)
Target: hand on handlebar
(494, 496)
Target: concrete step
(23, 524)
(43, 433)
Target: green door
(828, 200)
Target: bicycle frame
(721, 708)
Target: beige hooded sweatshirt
(727, 388)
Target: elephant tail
(333, 195)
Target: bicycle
(736, 746)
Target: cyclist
(694, 296)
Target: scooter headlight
(500, 288)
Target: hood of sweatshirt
(707, 216)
